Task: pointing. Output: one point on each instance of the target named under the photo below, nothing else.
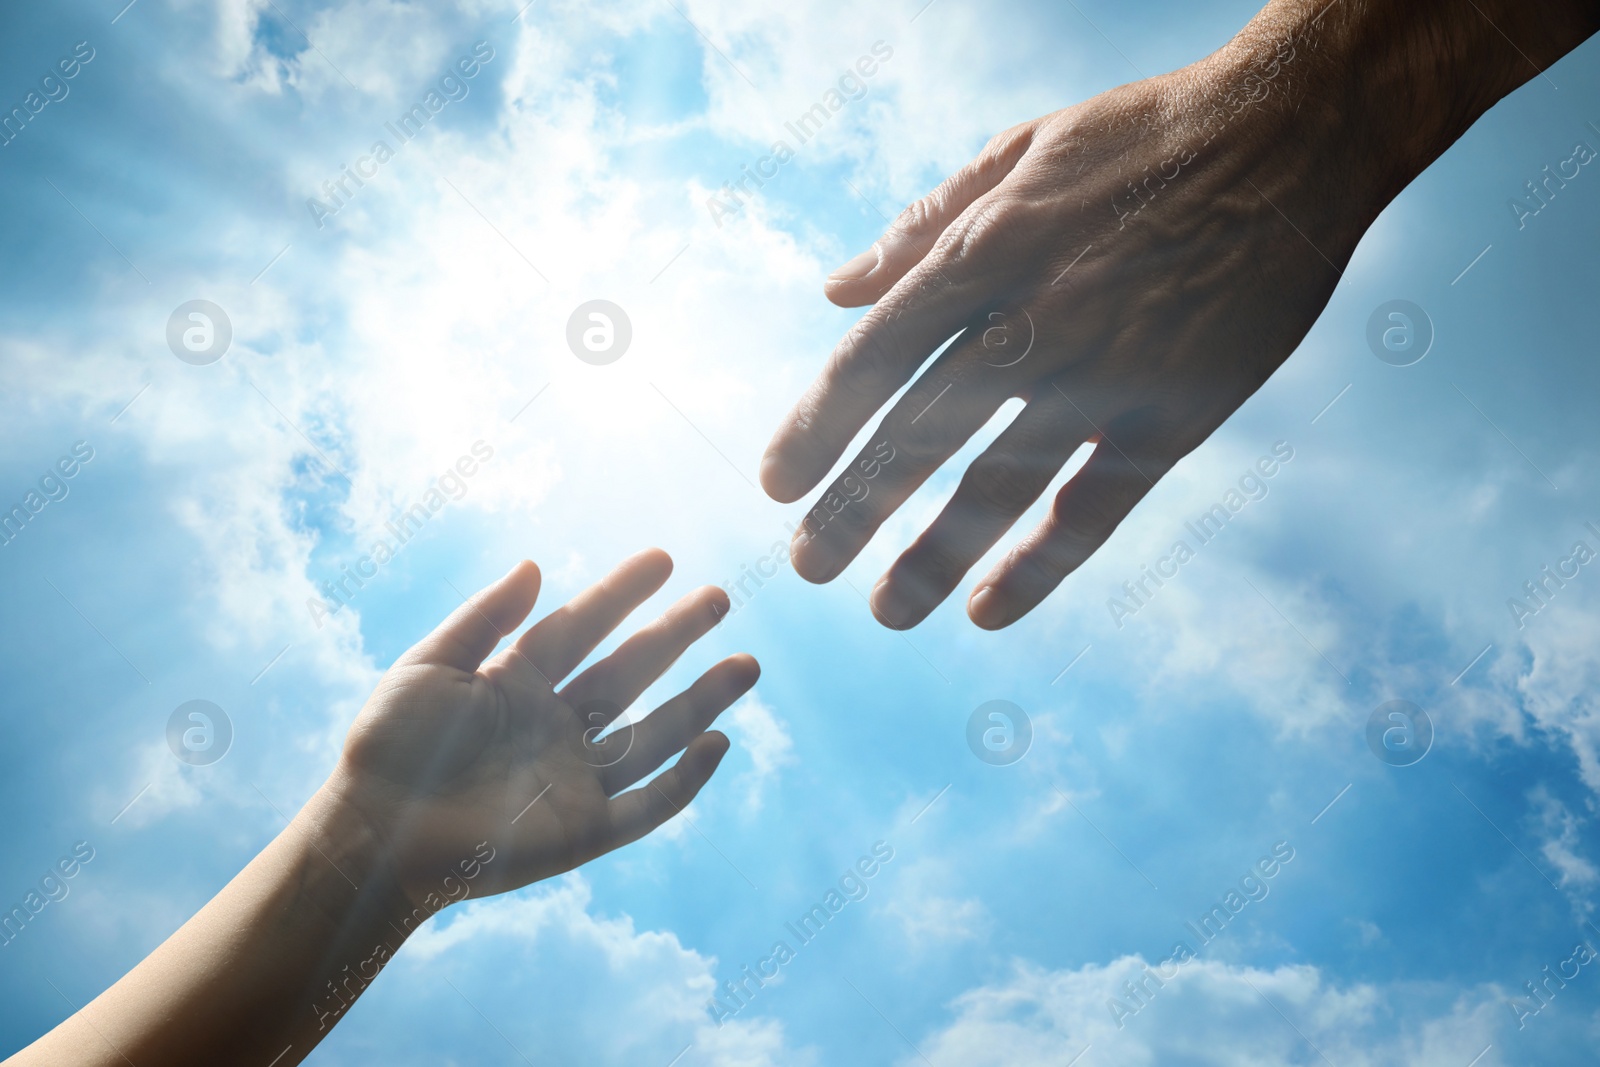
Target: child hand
(456, 758)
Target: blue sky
(369, 354)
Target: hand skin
(437, 774)
(1162, 248)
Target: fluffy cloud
(1558, 678)
(763, 736)
(551, 939)
(1211, 1013)
(928, 919)
(432, 309)
(1562, 847)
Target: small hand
(451, 751)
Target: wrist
(341, 896)
(277, 957)
(345, 867)
(1285, 131)
(406, 874)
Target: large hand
(451, 751)
(1133, 268)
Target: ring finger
(1001, 484)
(935, 417)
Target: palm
(449, 756)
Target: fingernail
(857, 268)
(772, 475)
(887, 609)
(808, 557)
(984, 608)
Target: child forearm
(261, 973)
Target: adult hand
(1133, 268)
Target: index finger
(879, 355)
(934, 269)
(560, 641)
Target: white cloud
(1368, 933)
(238, 56)
(389, 49)
(1562, 843)
(157, 786)
(762, 735)
(927, 918)
(1210, 1013)
(559, 941)
(927, 109)
(427, 329)
(1558, 680)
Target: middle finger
(935, 417)
(621, 677)
(997, 488)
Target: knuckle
(874, 352)
(921, 441)
(972, 233)
(1005, 149)
(924, 286)
(1086, 519)
(1002, 481)
(998, 158)
(992, 232)
(919, 215)
(852, 524)
(933, 568)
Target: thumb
(912, 236)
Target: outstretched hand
(1133, 268)
(453, 750)
(466, 773)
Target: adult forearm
(1410, 76)
(1327, 109)
(1168, 242)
